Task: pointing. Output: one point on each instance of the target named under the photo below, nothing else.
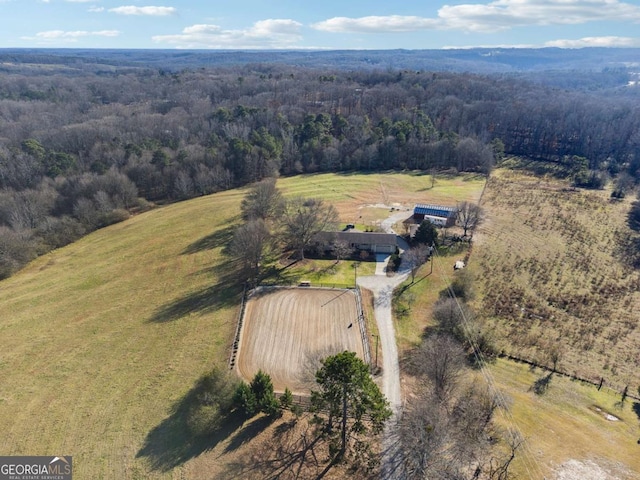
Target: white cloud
(595, 42)
(96, 9)
(505, 14)
(373, 24)
(150, 10)
(80, 1)
(492, 16)
(264, 34)
(70, 36)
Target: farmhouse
(372, 242)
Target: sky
(318, 24)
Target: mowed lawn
(103, 339)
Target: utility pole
(433, 251)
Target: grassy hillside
(108, 333)
(572, 424)
(104, 339)
(558, 269)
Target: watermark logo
(36, 468)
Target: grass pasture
(104, 340)
(287, 331)
(109, 333)
(557, 269)
(365, 199)
(568, 424)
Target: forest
(83, 147)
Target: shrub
(212, 401)
(114, 216)
(450, 316)
(58, 232)
(462, 285)
(16, 250)
(244, 400)
(203, 419)
(394, 262)
(286, 400)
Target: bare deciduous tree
(469, 216)
(248, 246)
(415, 257)
(424, 438)
(341, 249)
(303, 218)
(441, 359)
(264, 200)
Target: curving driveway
(382, 288)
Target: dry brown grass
(565, 425)
(557, 268)
(261, 449)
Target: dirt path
(382, 288)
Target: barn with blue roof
(437, 214)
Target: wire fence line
(366, 350)
(602, 384)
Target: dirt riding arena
(286, 331)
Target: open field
(564, 426)
(286, 332)
(105, 339)
(359, 198)
(109, 333)
(557, 269)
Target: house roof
(354, 236)
(434, 210)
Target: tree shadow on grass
(290, 452)
(219, 238)
(541, 385)
(274, 275)
(248, 432)
(225, 293)
(201, 302)
(171, 443)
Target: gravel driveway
(382, 288)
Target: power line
(528, 459)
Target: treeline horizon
(81, 150)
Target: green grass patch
(419, 297)
(105, 339)
(319, 272)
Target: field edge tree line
(80, 152)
